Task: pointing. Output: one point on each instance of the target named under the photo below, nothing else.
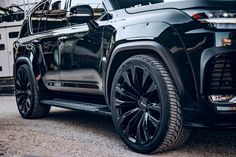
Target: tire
(27, 94)
(145, 106)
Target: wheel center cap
(28, 92)
(143, 103)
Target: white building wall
(6, 3)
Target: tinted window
(56, 16)
(95, 4)
(36, 17)
(43, 20)
(13, 34)
(24, 30)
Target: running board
(82, 106)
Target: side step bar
(82, 106)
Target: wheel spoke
(121, 103)
(24, 107)
(125, 93)
(127, 80)
(154, 121)
(133, 73)
(19, 78)
(151, 88)
(155, 107)
(20, 106)
(19, 92)
(28, 85)
(145, 76)
(20, 98)
(28, 104)
(138, 81)
(127, 114)
(131, 122)
(25, 79)
(28, 91)
(23, 104)
(18, 84)
(130, 112)
(138, 133)
(145, 127)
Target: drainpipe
(24, 7)
(28, 4)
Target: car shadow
(211, 143)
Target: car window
(56, 16)
(58, 5)
(36, 17)
(24, 30)
(96, 5)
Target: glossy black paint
(83, 58)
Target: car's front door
(81, 54)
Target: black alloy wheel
(23, 92)
(27, 95)
(141, 97)
(138, 105)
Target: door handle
(35, 42)
(63, 39)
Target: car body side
(167, 33)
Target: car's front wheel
(27, 94)
(146, 107)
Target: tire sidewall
(162, 89)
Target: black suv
(158, 67)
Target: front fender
(164, 41)
(26, 54)
(154, 47)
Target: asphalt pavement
(79, 134)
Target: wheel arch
(126, 50)
(20, 61)
(28, 61)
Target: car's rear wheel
(27, 94)
(145, 106)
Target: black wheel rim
(23, 91)
(137, 105)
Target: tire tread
(176, 134)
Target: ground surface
(68, 133)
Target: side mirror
(80, 14)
